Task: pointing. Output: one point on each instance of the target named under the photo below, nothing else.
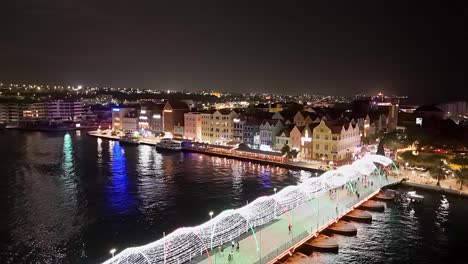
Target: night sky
(339, 48)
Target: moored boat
(129, 139)
(168, 144)
(414, 197)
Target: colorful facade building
(217, 126)
(335, 140)
(193, 126)
(125, 119)
(268, 131)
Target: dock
(342, 228)
(358, 216)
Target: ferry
(168, 144)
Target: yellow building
(217, 126)
(334, 140)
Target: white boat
(168, 144)
(414, 197)
(129, 139)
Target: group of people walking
(231, 254)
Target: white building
(64, 110)
(268, 131)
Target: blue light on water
(119, 196)
(265, 179)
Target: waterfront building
(193, 126)
(34, 111)
(302, 118)
(238, 127)
(59, 110)
(295, 137)
(283, 138)
(151, 117)
(306, 147)
(217, 126)
(125, 118)
(251, 132)
(335, 140)
(11, 113)
(178, 131)
(268, 131)
(173, 115)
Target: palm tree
(460, 165)
(436, 164)
(290, 153)
(285, 149)
(462, 176)
(293, 154)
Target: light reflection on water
(69, 199)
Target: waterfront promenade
(307, 220)
(239, 155)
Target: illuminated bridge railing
(187, 243)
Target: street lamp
(112, 251)
(274, 190)
(211, 215)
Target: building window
(317, 146)
(326, 147)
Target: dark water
(69, 198)
(433, 232)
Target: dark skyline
(338, 48)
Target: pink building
(193, 126)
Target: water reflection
(265, 179)
(67, 164)
(118, 189)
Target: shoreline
(434, 188)
(223, 155)
(266, 162)
(401, 181)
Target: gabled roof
(337, 125)
(286, 131)
(312, 126)
(225, 111)
(253, 122)
(177, 105)
(210, 111)
(154, 106)
(300, 128)
(271, 122)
